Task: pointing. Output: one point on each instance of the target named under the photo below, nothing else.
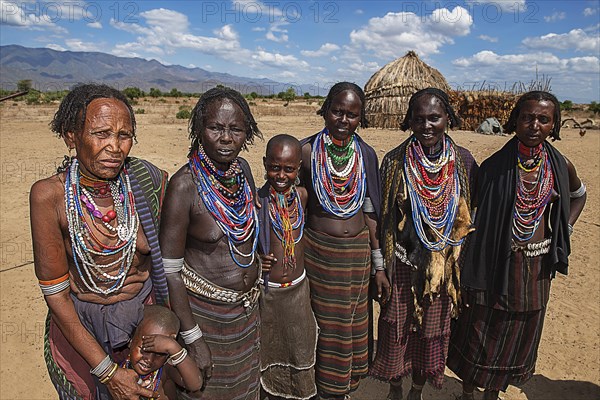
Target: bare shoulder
(182, 182)
(48, 191)
(303, 195)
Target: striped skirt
(339, 272)
(403, 347)
(232, 334)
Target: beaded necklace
(233, 211)
(532, 196)
(433, 201)
(340, 193)
(153, 376)
(85, 244)
(283, 209)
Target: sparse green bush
(183, 114)
(140, 111)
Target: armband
(377, 261)
(172, 265)
(55, 285)
(103, 367)
(579, 192)
(367, 206)
(178, 357)
(191, 335)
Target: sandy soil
(569, 358)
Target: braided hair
(537, 95)
(70, 116)
(441, 96)
(341, 87)
(198, 119)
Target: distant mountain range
(51, 70)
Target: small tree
(594, 107)
(566, 105)
(253, 95)
(175, 93)
(155, 92)
(133, 93)
(24, 85)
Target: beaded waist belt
(205, 288)
(286, 284)
(533, 249)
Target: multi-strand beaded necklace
(81, 210)
(532, 196)
(340, 193)
(433, 201)
(233, 210)
(154, 377)
(286, 215)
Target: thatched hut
(389, 89)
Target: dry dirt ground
(569, 358)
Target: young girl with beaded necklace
(340, 173)
(529, 197)
(287, 355)
(426, 217)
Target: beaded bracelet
(110, 375)
(191, 335)
(178, 357)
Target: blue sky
(322, 42)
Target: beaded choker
(340, 193)
(532, 196)
(233, 210)
(434, 202)
(283, 209)
(87, 246)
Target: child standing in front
(154, 345)
(288, 326)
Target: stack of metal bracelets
(178, 357)
(105, 370)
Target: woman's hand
(124, 386)
(267, 261)
(383, 287)
(200, 352)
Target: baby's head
(157, 320)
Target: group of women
(434, 236)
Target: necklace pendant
(122, 232)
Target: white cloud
(359, 68)
(358, 11)
(544, 62)
(589, 11)
(78, 45)
(55, 46)
(30, 16)
(275, 29)
(324, 50)
(392, 35)
(258, 29)
(279, 60)
(576, 39)
(503, 5)
(95, 25)
(556, 16)
(487, 38)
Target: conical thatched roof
(389, 89)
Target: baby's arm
(181, 369)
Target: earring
(265, 176)
(297, 181)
